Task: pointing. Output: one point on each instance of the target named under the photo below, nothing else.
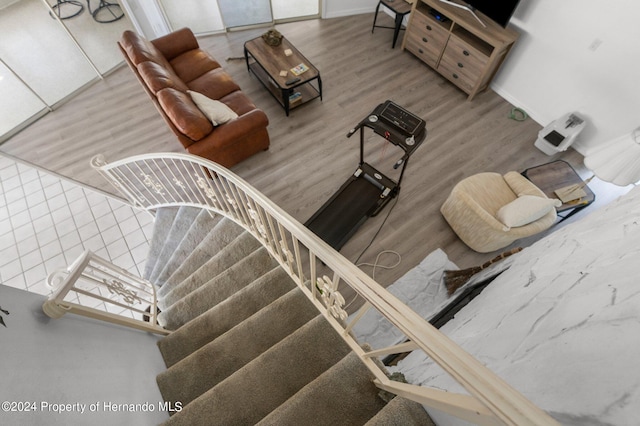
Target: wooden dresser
(459, 48)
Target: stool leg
(375, 17)
(396, 31)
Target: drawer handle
(465, 53)
(425, 39)
(429, 27)
(460, 65)
(455, 75)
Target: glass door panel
(287, 9)
(240, 13)
(24, 103)
(96, 30)
(202, 16)
(38, 49)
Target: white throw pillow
(526, 209)
(214, 110)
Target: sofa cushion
(239, 102)
(157, 77)
(184, 114)
(176, 43)
(214, 110)
(525, 210)
(141, 50)
(214, 84)
(192, 64)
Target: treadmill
(367, 191)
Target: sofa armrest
(234, 141)
(176, 43)
(237, 129)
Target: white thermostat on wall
(560, 134)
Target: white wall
(337, 8)
(74, 360)
(555, 67)
(5, 3)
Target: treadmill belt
(346, 211)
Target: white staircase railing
(96, 288)
(326, 277)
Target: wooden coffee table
(266, 62)
(555, 175)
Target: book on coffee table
(299, 69)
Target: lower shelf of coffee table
(307, 91)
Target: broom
(453, 280)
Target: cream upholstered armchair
(489, 211)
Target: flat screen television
(500, 11)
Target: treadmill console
(402, 119)
(395, 124)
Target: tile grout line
(42, 177)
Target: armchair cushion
(525, 209)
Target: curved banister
(171, 179)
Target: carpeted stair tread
(224, 316)
(211, 364)
(219, 237)
(217, 289)
(342, 395)
(249, 346)
(181, 224)
(201, 226)
(161, 225)
(401, 412)
(237, 250)
(259, 387)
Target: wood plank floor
(310, 156)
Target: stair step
(161, 226)
(259, 387)
(217, 289)
(224, 316)
(234, 252)
(344, 394)
(217, 360)
(401, 412)
(201, 226)
(181, 224)
(219, 237)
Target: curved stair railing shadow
(323, 274)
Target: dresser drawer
(424, 49)
(457, 75)
(465, 54)
(426, 26)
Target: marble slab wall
(562, 325)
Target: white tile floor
(47, 221)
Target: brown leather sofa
(169, 66)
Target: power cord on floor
(379, 229)
(518, 114)
(376, 264)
